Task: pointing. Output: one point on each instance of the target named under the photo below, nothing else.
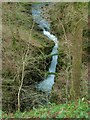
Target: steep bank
(22, 35)
(70, 25)
(26, 52)
(65, 20)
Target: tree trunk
(76, 61)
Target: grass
(78, 109)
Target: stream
(48, 82)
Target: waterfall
(47, 83)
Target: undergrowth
(78, 109)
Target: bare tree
(24, 62)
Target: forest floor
(77, 109)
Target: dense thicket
(26, 57)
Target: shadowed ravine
(47, 83)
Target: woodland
(26, 57)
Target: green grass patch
(78, 109)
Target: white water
(47, 84)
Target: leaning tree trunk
(76, 61)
